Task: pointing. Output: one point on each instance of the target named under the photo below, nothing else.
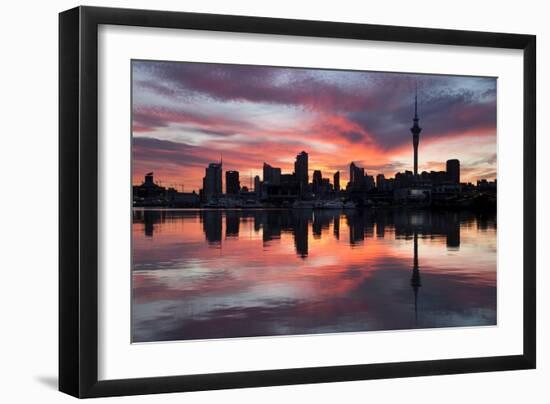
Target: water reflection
(415, 279)
(201, 274)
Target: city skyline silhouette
(186, 115)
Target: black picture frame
(78, 196)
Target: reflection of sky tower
(415, 130)
(415, 279)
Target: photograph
(264, 203)
(276, 201)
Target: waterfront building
(317, 179)
(381, 183)
(257, 184)
(453, 171)
(212, 181)
(336, 181)
(356, 177)
(485, 185)
(369, 182)
(301, 170)
(272, 175)
(232, 183)
(148, 188)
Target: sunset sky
(186, 115)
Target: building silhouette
(288, 180)
(149, 182)
(453, 171)
(148, 188)
(212, 181)
(317, 181)
(369, 183)
(356, 177)
(336, 180)
(232, 183)
(301, 171)
(381, 182)
(272, 175)
(415, 130)
(257, 184)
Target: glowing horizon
(187, 115)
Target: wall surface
(28, 162)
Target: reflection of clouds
(249, 286)
(381, 302)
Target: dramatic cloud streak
(186, 115)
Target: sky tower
(415, 130)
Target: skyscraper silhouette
(317, 180)
(453, 171)
(415, 130)
(212, 181)
(302, 170)
(336, 181)
(272, 175)
(356, 177)
(232, 183)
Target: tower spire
(416, 101)
(415, 130)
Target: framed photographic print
(251, 201)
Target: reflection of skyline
(219, 274)
(303, 223)
(415, 279)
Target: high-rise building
(257, 184)
(325, 185)
(288, 180)
(415, 130)
(317, 176)
(317, 181)
(301, 169)
(369, 182)
(352, 172)
(356, 177)
(336, 181)
(266, 172)
(272, 175)
(212, 181)
(276, 176)
(381, 182)
(453, 171)
(148, 180)
(232, 183)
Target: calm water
(200, 274)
